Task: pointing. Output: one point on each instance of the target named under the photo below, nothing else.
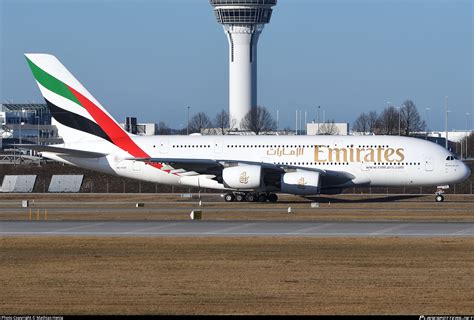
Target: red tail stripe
(119, 137)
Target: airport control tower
(243, 21)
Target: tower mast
(243, 22)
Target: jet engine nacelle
(242, 177)
(300, 182)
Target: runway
(237, 229)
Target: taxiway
(237, 228)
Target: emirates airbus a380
(245, 168)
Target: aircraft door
(137, 165)
(429, 164)
(338, 143)
(163, 146)
(218, 146)
(364, 166)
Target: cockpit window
(450, 158)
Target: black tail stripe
(75, 121)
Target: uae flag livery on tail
(54, 91)
(73, 107)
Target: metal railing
(243, 2)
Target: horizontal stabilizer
(62, 151)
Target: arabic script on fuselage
(280, 152)
(344, 154)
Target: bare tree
(366, 122)
(221, 121)
(470, 145)
(372, 121)
(362, 123)
(387, 122)
(328, 128)
(410, 118)
(162, 129)
(198, 122)
(258, 120)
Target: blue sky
(152, 58)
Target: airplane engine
(300, 182)
(242, 177)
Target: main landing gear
(250, 197)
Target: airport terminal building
(27, 123)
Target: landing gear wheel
(439, 198)
(250, 197)
(229, 197)
(262, 198)
(272, 197)
(239, 197)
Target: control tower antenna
(243, 21)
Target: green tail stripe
(51, 83)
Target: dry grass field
(75, 275)
(172, 207)
(69, 275)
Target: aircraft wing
(62, 151)
(272, 172)
(215, 166)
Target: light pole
(22, 115)
(399, 116)
(187, 128)
(38, 129)
(296, 123)
(446, 120)
(21, 124)
(467, 129)
(426, 118)
(319, 107)
(399, 111)
(301, 120)
(426, 122)
(278, 119)
(37, 126)
(305, 123)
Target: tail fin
(79, 116)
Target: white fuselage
(370, 160)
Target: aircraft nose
(467, 172)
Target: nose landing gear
(250, 197)
(439, 198)
(439, 193)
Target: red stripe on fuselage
(118, 136)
